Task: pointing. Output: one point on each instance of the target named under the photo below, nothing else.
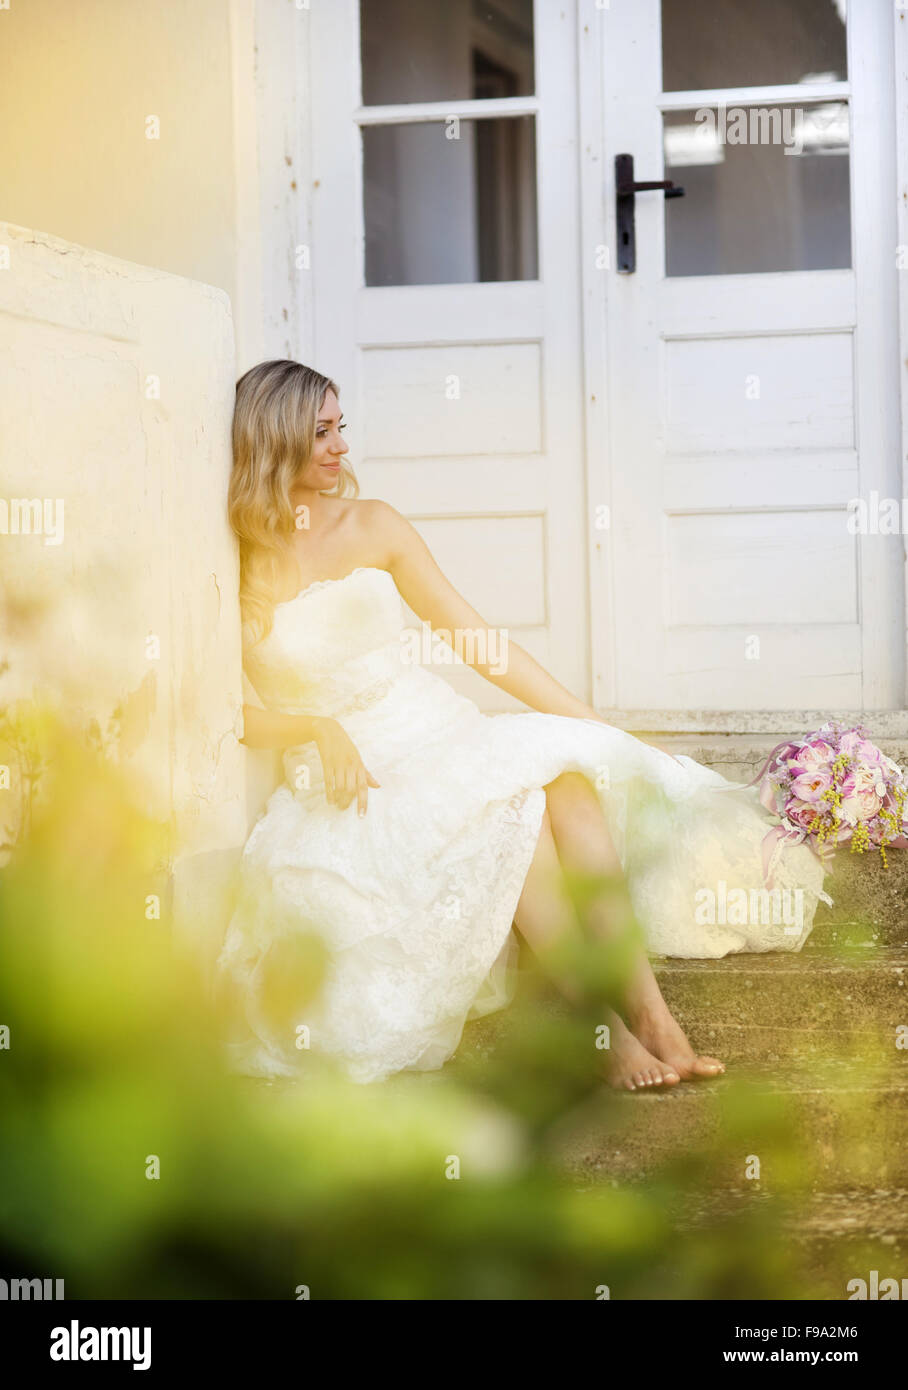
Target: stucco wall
(78, 83)
(116, 392)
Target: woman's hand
(346, 776)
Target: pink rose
(810, 786)
(812, 757)
(800, 813)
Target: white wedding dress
(415, 900)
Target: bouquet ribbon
(774, 842)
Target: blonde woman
(413, 832)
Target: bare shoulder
(373, 512)
(359, 519)
(387, 530)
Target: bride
(413, 832)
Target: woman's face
(323, 469)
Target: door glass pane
(445, 50)
(740, 43)
(450, 202)
(766, 188)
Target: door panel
(402, 412)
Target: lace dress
(415, 900)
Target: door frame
(879, 158)
(900, 22)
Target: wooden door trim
(876, 344)
(900, 21)
(595, 269)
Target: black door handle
(626, 187)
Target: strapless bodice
(334, 648)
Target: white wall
(116, 393)
(77, 85)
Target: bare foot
(630, 1067)
(663, 1035)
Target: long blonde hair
(274, 425)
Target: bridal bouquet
(834, 787)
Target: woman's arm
(263, 728)
(435, 600)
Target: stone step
(821, 1002)
(739, 757)
(831, 1128)
(836, 1003)
(881, 1212)
(828, 1239)
(848, 1235)
(866, 896)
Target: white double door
(644, 476)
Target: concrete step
(826, 1239)
(836, 1003)
(881, 1212)
(829, 1128)
(848, 1235)
(868, 896)
(824, 1002)
(845, 1236)
(739, 757)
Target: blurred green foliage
(115, 1057)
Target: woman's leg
(585, 846)
(546, 917)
